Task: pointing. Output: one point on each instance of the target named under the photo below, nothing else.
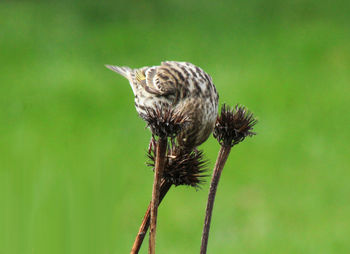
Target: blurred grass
(72, 173)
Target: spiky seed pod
(183, 167)
(233, 125)
(164, 122)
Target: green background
(72, 148)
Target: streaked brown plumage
(178, 85)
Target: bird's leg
(171, 149)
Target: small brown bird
(181, 86)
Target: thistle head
(164, 122)
(233, 125)
(183, 167)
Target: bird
(181, 86)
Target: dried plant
(181, 168)
(164, 123)
(232, 127)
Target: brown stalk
(219, 165)
(232, 127)
(161, 147)
(164, 188)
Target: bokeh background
(73, 177)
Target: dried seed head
(233, 125)
(183, 167)
(164, 122)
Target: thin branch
(164, 188)
(159, 168)
(219, 165)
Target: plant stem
(219, 165)
(164, 188)
(159, 168)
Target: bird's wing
(143, 77)
(165, 79)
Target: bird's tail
(122, 70)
